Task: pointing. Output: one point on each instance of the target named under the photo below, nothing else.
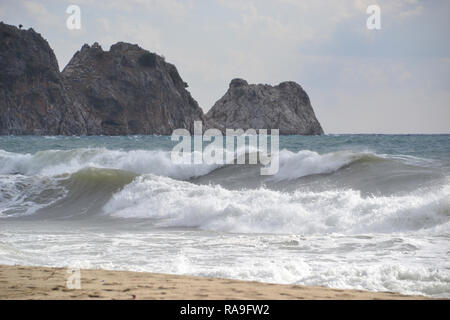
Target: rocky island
(260, 106)
(33, 97)
(127, 90)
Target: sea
(368, 212)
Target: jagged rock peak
(36, 100)
(261, 106)
(129, 90)
(237, 82)
(126, 90)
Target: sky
(392, 80)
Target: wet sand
(20, 282)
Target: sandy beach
(21, 282)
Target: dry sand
(19, 282)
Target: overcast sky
(393, 80)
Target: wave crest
(171, 203)
(294, 165)
(57, 162)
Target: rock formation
(129, 90)
(126, 90)
(285, 107)
(33, 97)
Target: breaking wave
(147, 184)
(342, 216)
(294, 165)
(172, 203)
(56, 162)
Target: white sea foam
(22, 195)
(326, 230)
(409, 264)
(56, 162)
(183, 204)
(293, 165)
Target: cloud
(175, 8)
(411, 13)
(144, 35)
(311, 20)
(386, 111)
(323, 45)
(39, 13)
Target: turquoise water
(427, 146)
(349, 211)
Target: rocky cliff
(33, 97)
(129, 90)
(285, 107)
(126, 90)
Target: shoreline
(49, 283)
